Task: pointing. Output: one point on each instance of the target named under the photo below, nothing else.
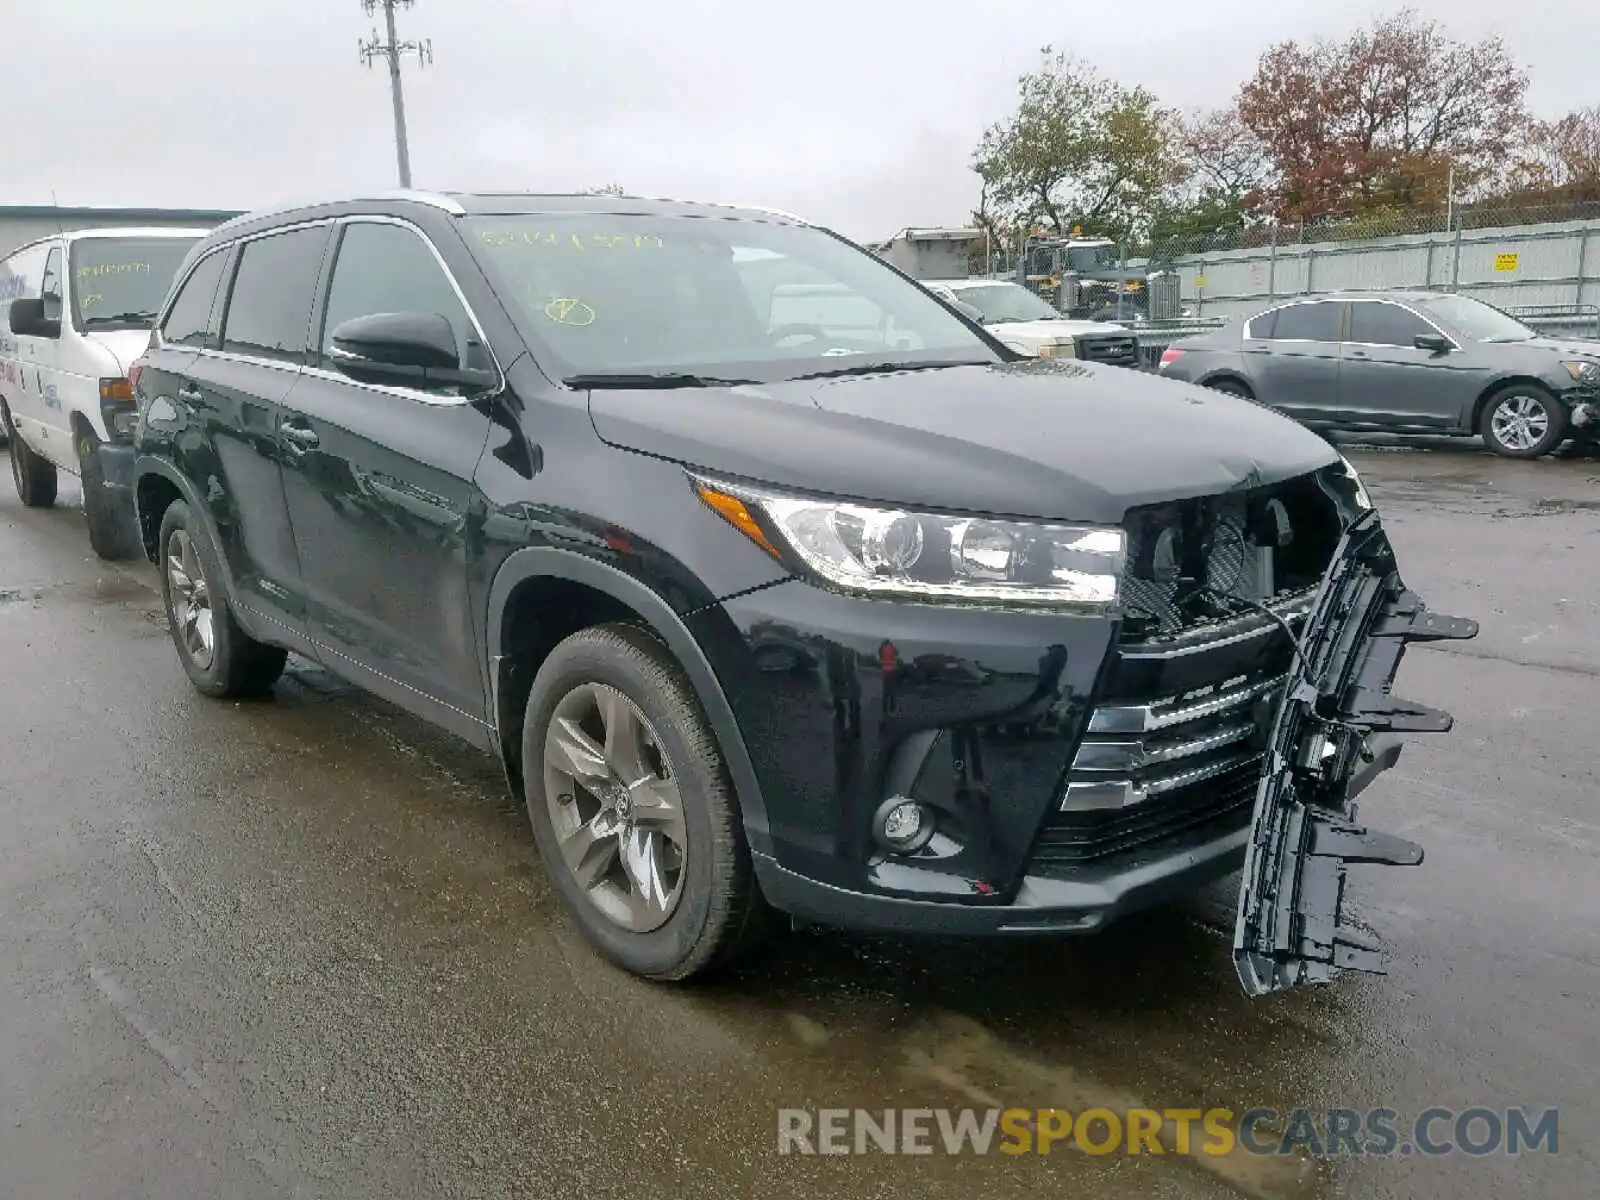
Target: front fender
(535, 562)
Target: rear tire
(35, 477)
(1523, 420)
(113, 531)
(706, 905)
(220, 658)
(1232, 387)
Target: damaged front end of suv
(1313, 558)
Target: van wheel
(35, 477)
(632, 808)
(113, 534)
(1522, 420)
(220, 658)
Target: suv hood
(1048, 439)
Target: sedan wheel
(1523, 422)
(615, 807)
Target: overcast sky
(860, 114)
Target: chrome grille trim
(1178, 710)
(1113, 794)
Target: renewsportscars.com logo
(1476, 1131)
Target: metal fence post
(1272, 261)
(1583, 266)
(1311, 259)
(1455, 261)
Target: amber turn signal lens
(736, 513)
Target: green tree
(1080, 150)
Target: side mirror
(404, 349)
(28, 319)
(1436, 342)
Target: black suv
(868, 621)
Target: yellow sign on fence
(1199, 281)
(1505, 262)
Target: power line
(392, 49)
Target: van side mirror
(404, 349)
(28, 319)
(1436, 342)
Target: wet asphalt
(303, 947)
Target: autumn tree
(1080, 149)
(1225, 171)
(1379, 120)
(1560, 162)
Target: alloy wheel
(615, 807)
(189, 599)
(1520, 422)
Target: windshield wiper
(650, 379)
(877, 368)
(127, 318)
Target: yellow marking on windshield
(99, 270)
(564, 310)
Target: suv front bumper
(1073, 778)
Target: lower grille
(1147, 772)
(1120, 350)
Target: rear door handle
(299, 437)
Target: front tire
(113, 535)
(220, 658)
(632, 808)
(1523, 420)
(35, 477)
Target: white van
(75, 311)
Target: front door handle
(299, 437)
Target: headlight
(874, 551)
(1362, 498)
(1586, 373)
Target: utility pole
(391, 48)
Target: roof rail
(434, 199)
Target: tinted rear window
(119, 283)
(270, 306)
(189, 323)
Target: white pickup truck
(1028, 325)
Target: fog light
(902, 826)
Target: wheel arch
(614, 595)
(156, 484)
(1225, 375)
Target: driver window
(50, 286)
(385, 268)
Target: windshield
(119, 283)
(1091, 258)
(1478, 321)
(1004, 303)
(710, 297)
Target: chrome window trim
(1407, 308)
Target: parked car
(888, 628)
(78, 309)
(1028, 325)
(1403, 362)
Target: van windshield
(119, 283)
(715, 298)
